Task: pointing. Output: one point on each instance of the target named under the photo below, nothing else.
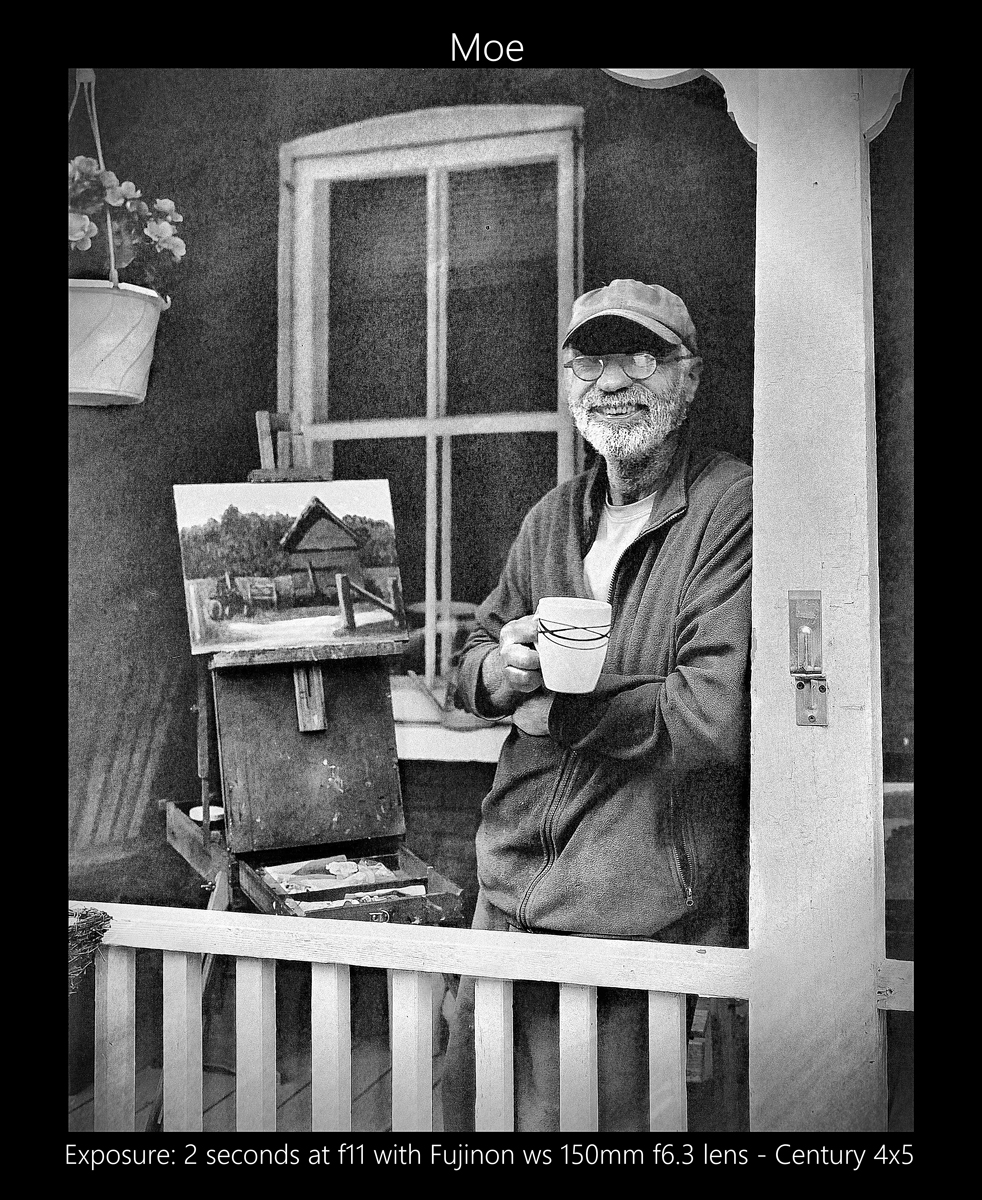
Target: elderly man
(620, 813)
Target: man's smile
(617, 408)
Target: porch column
(816, 904)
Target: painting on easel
(283, 565)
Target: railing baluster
(114, 1081)
(182, 1042)
(577, 1057)
(666, 1062)
(330, 1047)
(411, 1023)
(255, 1045)
(412, 957)
(494, 1060)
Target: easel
(299, 743)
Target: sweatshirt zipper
(617, 565)
(677, 845)
(564, 781)
(560, 792)
(680, 855)
(649, 529)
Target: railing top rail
(654, 966)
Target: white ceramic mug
(572, 641)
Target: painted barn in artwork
(320, 547)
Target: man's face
(626, 419)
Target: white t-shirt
(620, 524)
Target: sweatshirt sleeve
(699, 714)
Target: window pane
(375, 312)
(402, 461)
(514, 470)
(502, 302)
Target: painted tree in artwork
(376, 541)
(244, 543)
(239, 543)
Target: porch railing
(413, 954)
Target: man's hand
(519, 658)
(511, 671)
(532, 715)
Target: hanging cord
(71, 107)
(85, 79)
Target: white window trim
(431, 142)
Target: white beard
(662, 414)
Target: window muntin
(428, 287)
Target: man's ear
(692, 378)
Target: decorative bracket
(738, 83)
(879, 94)
(882, 88)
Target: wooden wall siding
(121, 735)
(442, 802)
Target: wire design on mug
(574, 637)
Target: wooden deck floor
(371, 1096)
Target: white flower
(118, 192)
(82, 167)
(167, 209)
(175, 245)
(81, 231)
(156, 230)
(96, 194)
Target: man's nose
(613, 378)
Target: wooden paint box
(309, 770)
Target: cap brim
(663, 331)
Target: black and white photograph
(491, 526)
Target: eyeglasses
(635, 366)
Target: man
(620, 813)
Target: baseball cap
(648, 304)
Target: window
(428, 265)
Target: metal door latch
(807, 671)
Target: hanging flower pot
(111, 335)
(120, 254)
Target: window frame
(431, 142)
